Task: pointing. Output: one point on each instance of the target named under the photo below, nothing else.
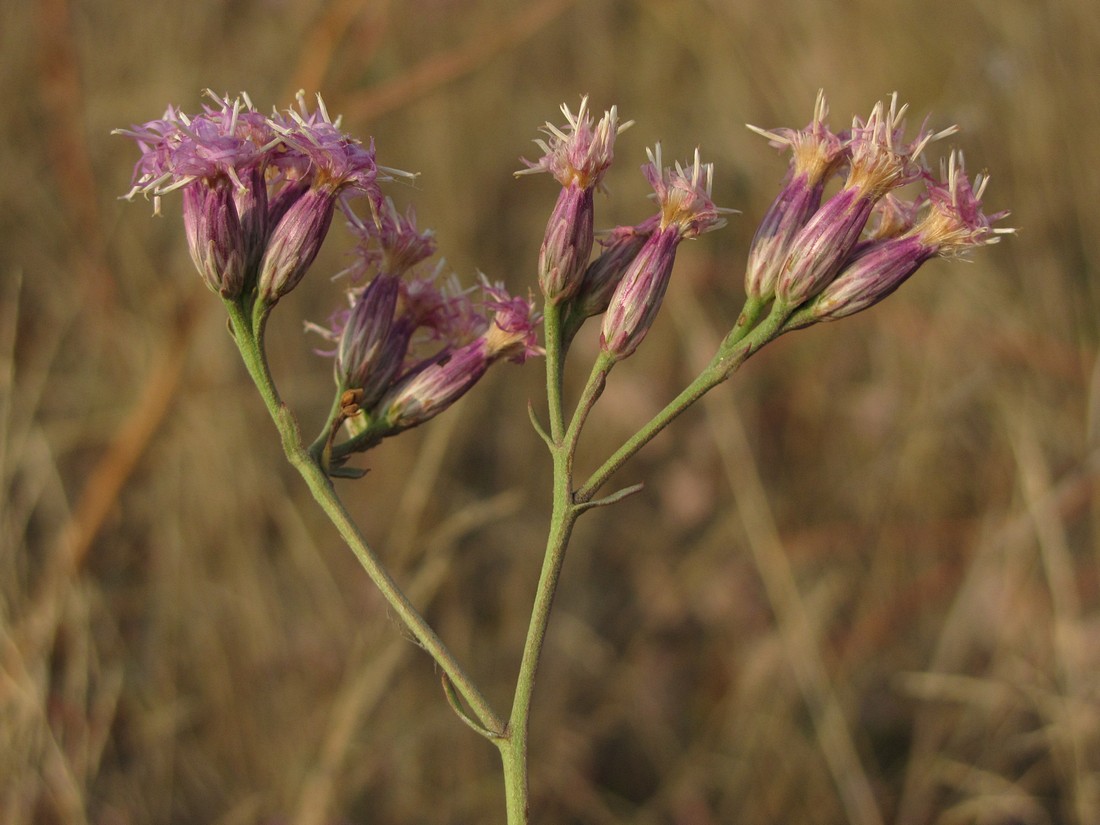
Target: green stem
(249, 336)
(555, 366)
(597, 380)
(563, 445)
(739, 345)
(514, 754)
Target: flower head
(391, 244)
(317, 148)
(816, 155)
(577, 155)
(435, 383)
(684, 195)
(880, 158)
(954, 222)
(686, 210)
(816, 152)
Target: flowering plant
(259, 196)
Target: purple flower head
(953, 224)
(335, 166)
(294, 244)
(215, 236)
(637, 298)
(177, 149)
(881, 160)
(421, 395)
(816, 152)
(364, 334)
(816, 155)
(333, 160)
(430, 386)
(567, 243)
(512, 327)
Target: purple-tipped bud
(567, 244)
(601, 278)
(686, 211)
(820, 248)
(879, 162)
(577, 155)
(637, 299)
(422, 395)
(364, 336)
(294, 243)
(816, 155)
(432, 386)
(214, 235)
(953, 224)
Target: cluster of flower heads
(411, 341)
(259, 191)
(814, 258)
(627, 282)
(831, 259)
(259, 194)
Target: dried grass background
(861, 585)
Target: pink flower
(432, 385)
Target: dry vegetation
(861, 584)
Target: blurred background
(860, 586)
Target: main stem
(249, 336)
(514, 752)
(513, 747)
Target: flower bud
(364, 337)
(294, 243)
(214, 235)
(567, 244)
(637, 299)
